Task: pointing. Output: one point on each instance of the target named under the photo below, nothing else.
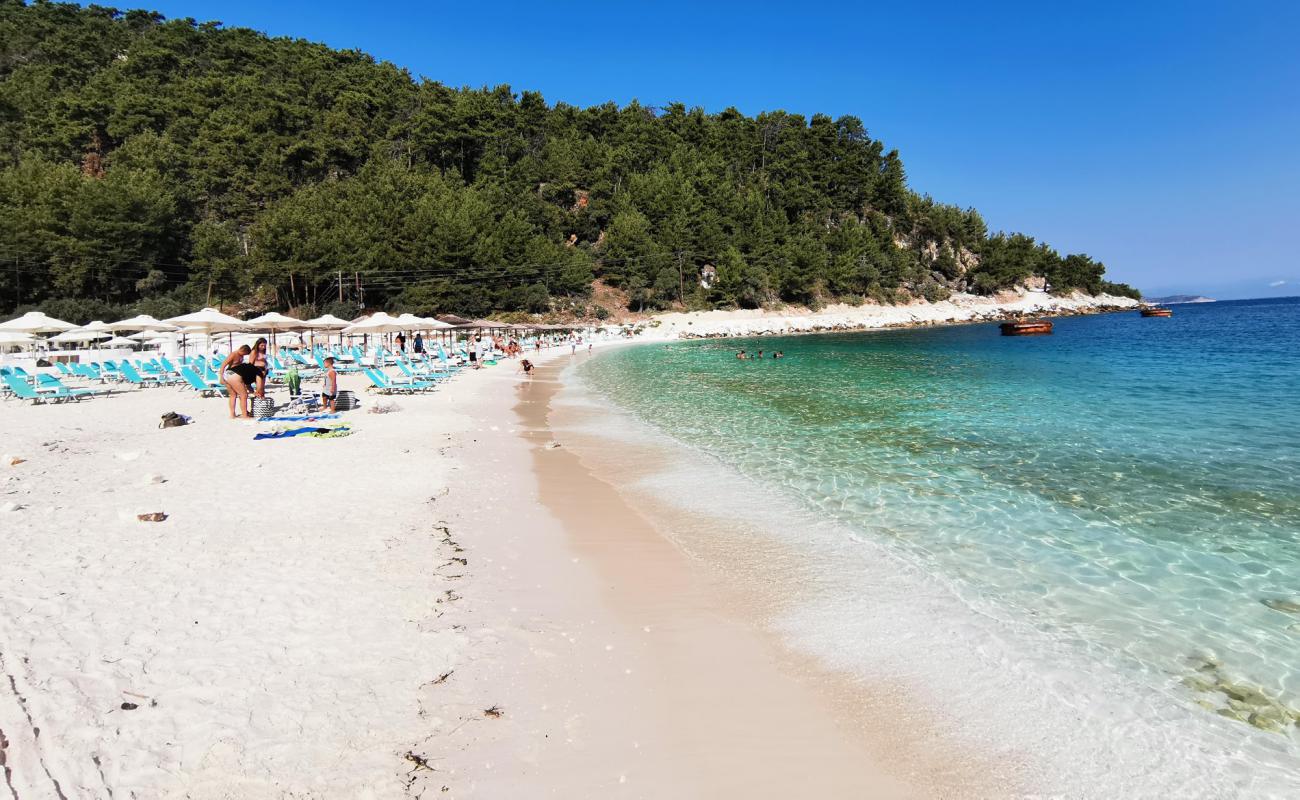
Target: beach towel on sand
(307, 418)
(323, 433)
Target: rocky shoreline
(961, 310)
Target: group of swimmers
(743, 356)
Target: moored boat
(1157, 311)
(1027, 327)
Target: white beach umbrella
(326, 322)
(118, 341)
(80, 335)
(209, 320)
(98, 326)
(36, 322)
(273, 321)
(15, 337)
(436, 324)
(379, 322)
(140, 322)
(414, 323)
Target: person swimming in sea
(760, 355)
(741, 356)
(779, 354)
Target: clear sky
(1160, 137)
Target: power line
(501, 271)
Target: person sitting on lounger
(238, 377)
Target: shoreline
(782, 718)
(957, 310)
(465, 610)
(682, 693)
(1022, 698)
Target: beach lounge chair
(379, 384)
(203, 387)
(24, 391)
(87, 371)
(339, 366)
(383, 385)
(130, 374)
(412, 376)
(170, 367)
(152, 369)
(51, 383)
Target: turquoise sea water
(1130, 485)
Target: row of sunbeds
(418, 373)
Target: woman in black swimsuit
(260, 357)
(238, 378)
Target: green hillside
(157, 165)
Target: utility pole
(340, 286)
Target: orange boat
(1030, 327)
(1157, 311)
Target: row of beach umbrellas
(210, 321)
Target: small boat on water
(1156, 311)
(1027, 327)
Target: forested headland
(157, 165)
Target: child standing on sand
(329, 394)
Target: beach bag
(263, 407)
(346, 401)
(173, 420)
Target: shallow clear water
(1128, 486)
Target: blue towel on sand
(308, 418)
(297, 432)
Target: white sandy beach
(382, 615)
(443, 604)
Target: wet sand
(683, 692)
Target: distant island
(1179, 298)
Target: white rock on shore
(959, 308)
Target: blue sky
(1160, 137)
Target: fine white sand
(396, 613)
(273, 633)
(439, 605)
